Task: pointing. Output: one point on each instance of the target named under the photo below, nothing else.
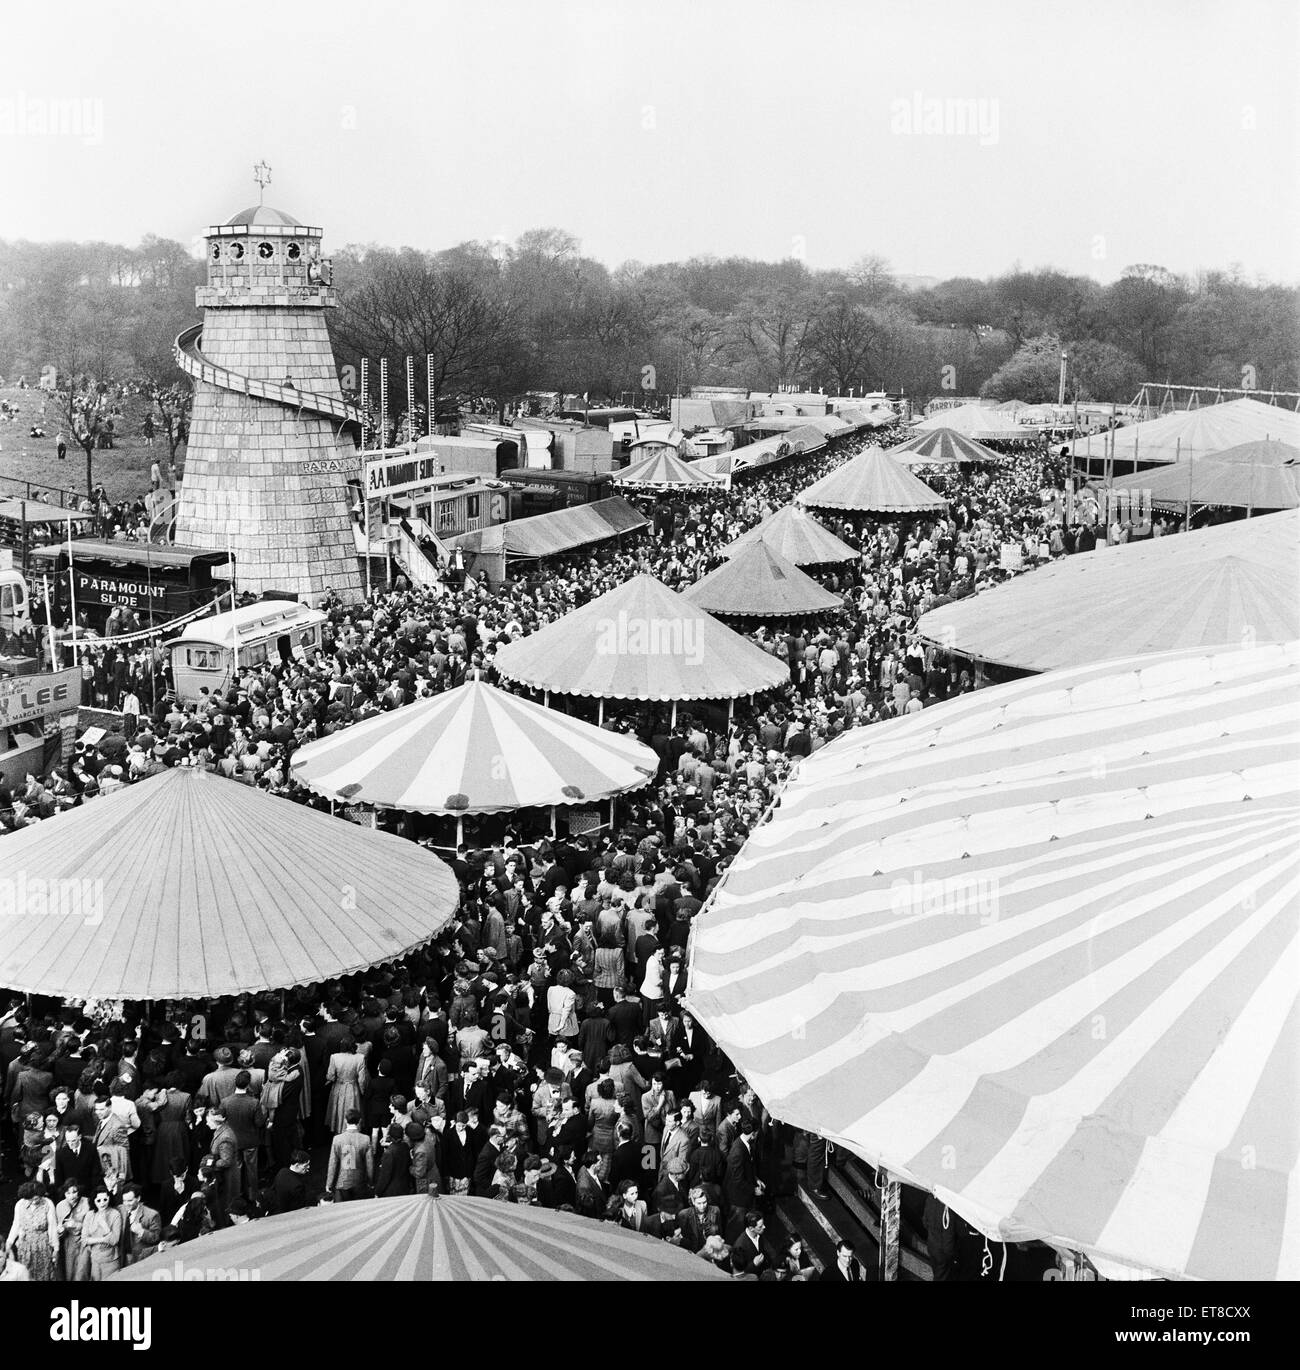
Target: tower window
(265, 251)
(237, 251)
(216, 252)
(294, 252)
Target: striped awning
(1035, 950)
(455, 1237)
(474, 749)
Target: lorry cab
(211, 653)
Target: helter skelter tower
(272, 442)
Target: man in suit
(678, 1144)
(747, 1255)
(224, 1154)
(672, 1193)
(485, 1163)
(556, 1185)
(741, 1185)
(847, 1267)
(593, 1193)
(288, 1191)
(141, 1226)
(625, 1164)
(219, 1084)
(76, 1159)
(700, 1221)
(352, 1161)
(245, 1116)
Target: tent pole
(600, 714)
(554, 833)
(460, 830)
(673, 724)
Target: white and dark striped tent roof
(1216, 587)
(474, 749)
(1035, 950)
(416, 1238)
(190, 886)
(663, 470)
(797, 536)
(640, 640)
(872, 483)
(757, 582)
(945, 447)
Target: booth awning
(563, 530)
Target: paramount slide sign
(392, 475)
(24, 697)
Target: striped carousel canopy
(983, 422)
(190, 886)
(1035, 950)
(759, 583)
(640, 640)
(418, 1238)
(872, 483)
(946, 447)
(793, 533)
(474, 749)
(1217, 587)
(663, 470)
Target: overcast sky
(1100, 134)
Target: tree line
(500, 319)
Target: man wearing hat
(219, 1084)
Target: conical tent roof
(872, 483)
(983, 422)
(794, 534)
(757, 583)
(1190, 434)
(662, 469)
(640, 641)
(951, 904)
(1265, 452)
(194, 886)
(1230, 484)
(1212, 588)
(945, 447)
(455, 1237)
(475, 749)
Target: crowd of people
(537, 1051)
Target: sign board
(1011, 557)
(132, 591)
(26, 697)
(393, 475)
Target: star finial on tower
(262, 175)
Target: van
(212, 653)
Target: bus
(158, 582)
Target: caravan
(211, 653)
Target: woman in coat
(346, 1080)
(394, 1176)
(561, 1008)
(602, 1118)
(101, 1237)
(171, 1132)
(632, 1212)
(69, 1214)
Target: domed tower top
(263, 256)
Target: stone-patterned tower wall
(271, 443)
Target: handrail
(195, 365)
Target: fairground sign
(24, 697)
